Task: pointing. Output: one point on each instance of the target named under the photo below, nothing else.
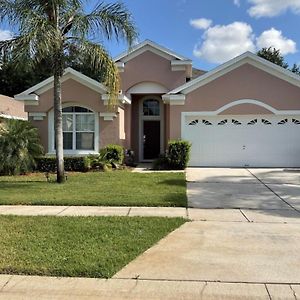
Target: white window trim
(143, 118)
(51, 136)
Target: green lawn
(119, 188)
(76, 246)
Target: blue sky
(167, 22)
(212, 31)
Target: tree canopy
(274, 55)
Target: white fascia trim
(34, 88)
(108, 116)
(120, 66)
(234, 63)
(12, 117)
(122, 99)
(37, 116)
(151, 46)
(178, 99)
(180, 65)
(126, 100)
(31, 99)
(243, 101)
(68, 73)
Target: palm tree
(50, 29)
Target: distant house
(245, 112)
(11, 108)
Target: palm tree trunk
(58, 128)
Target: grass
(119, 188)
(76, 246)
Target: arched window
(151, 107)
(78, 128)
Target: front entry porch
(148, 132)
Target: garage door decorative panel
(252, 122)
(223, 122)
(255, 141)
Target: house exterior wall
(72, 92)
(147, 67)
(150, 67)
(109, 132)
(245, 82)
(42, 127)
(10, 108)
(75, 93)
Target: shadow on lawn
(178, 198)
(172, 182)
(175, 200)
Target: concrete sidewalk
(41, 210)
(34, 287)
(222, 254)
(193, 214)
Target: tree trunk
(58, 128)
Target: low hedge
(112, 156)
(74, 164)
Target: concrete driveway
(245, 233)
(265, 189)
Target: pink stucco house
(245, 112)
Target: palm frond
(38, 39)
(97, 57)
(106, 21)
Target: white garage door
(242, 141)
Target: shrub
(178, 154)
(72, 164)
(19, 147)
(129, 158)
(176, 157)
(113, 154)
(96, 163)
(161, 163)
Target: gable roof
(245, 58)
(32, 93)
(148, 45)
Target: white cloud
(274, 38)
(5, 35)
(237, 3)
(201, 23)
(271, 8)
(223, 42)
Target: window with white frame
(151, 107)
(78, 128)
